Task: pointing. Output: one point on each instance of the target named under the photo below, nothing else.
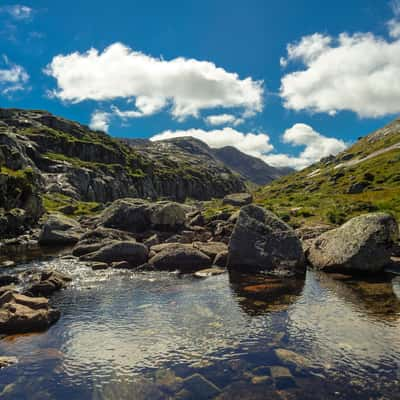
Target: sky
(286, 81)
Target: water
(126, 335)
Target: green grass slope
(364, 178)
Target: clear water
(126, 335)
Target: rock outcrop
(136, 215)
(238, 199)
(180, 257)
(262, 242)
(20, 314)
(362, 244)
(60, 230)
(134, 253)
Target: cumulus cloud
(187, 86)
(224, 119)
(316, 146)
(13, 77)
(17, 11)
(100, 121)
(250, 143)
(356, 72)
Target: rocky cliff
(64, 162)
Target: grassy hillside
(365, 177)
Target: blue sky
(287, 81)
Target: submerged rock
(181, 257)
(205, 273)
(19, 313)
(59, 229)
(362, 244)
(292, 359)
(261, 241)
(132, 252)
(200, 387)
(7, 361)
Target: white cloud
(224, 119)
(188, 86)
(394, 28)
(352, 72)
(13, 77)
(250, 143)
(316, 145)
(308, 49)
(17, 11)
(100, 121)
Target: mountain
(250, 168)
(64, 163)
(365, 177)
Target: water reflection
(374, 296)
(258, 294)
(119, 329)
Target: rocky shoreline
(141, 235)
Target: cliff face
(44, 155)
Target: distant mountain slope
(363, 178)
(250, 168)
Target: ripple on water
(116, 324)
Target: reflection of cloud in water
(178, 321)
(335, 325)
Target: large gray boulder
(180, 257)
(262, 242)
(134, 253)
(126, 214)
(137, 215)
(61, 230)
(167, 215)
(363, 244)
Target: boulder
(238, 199)
(211, 248)
(98, 238)
(137, 215)
(130, 251)
(19, 313)
(167, 215)
(262, 242)
(47, 282)
(362, 244)
(127, 214)
(180, 257)
(61, 230)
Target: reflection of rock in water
(372, 295)
(259, 293)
